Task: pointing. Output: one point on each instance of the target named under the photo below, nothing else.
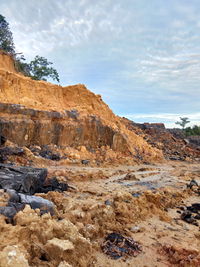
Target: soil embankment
(40, 113)
(101, 194)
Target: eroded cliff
(41, 113)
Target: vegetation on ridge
(38, 69)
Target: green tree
(183, 121)
(40, 69)
(195, 130)
(21, 65)
(6, 38)
(37, 69)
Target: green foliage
(183, 121)
(37, 69)
(22, 66)
(195, 130)
(6, 38)
(40, 69)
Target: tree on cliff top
(6, 38)
(38, 69)
(183, 122)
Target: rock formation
(40, 113)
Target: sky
(142, 56)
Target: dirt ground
(141, 202)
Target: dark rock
(18, 201)
(85, 161)
(194, 208)
(7, 151)
(2, 140)
(136, 194)
(108, 202)
(26, 180)
(117, 246)
(36, 202)
(11, 210)
(73, 114)
(21, 182)
(191, 214)
(53, 185)
(189, 218)
(192, 183)
(48, 154)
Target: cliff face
(40, 113)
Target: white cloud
(48, 25)
(144, 54)
(168, 119)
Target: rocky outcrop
(40, 113)
(171, 142)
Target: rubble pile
(20, 183)
(173, 145)
(191, 213)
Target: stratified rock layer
(37, 112)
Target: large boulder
(26, 180)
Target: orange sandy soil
(83, 220)
(73, 236)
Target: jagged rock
(22, 179)
(18, 151)
(17, 201)
(36, 202)
(48, 154)
(170, 141)
(11, 210)
(192, 183)
(53, 185)
(85, 161)
(7, 151)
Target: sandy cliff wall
(6, 62)
(37, 112)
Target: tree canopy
(38, 69)
(183, 121)
(6, 37)
(195, 130)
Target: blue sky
(142, 56)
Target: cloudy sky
(142, 56)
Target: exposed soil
(113, 182)
(143, 208)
